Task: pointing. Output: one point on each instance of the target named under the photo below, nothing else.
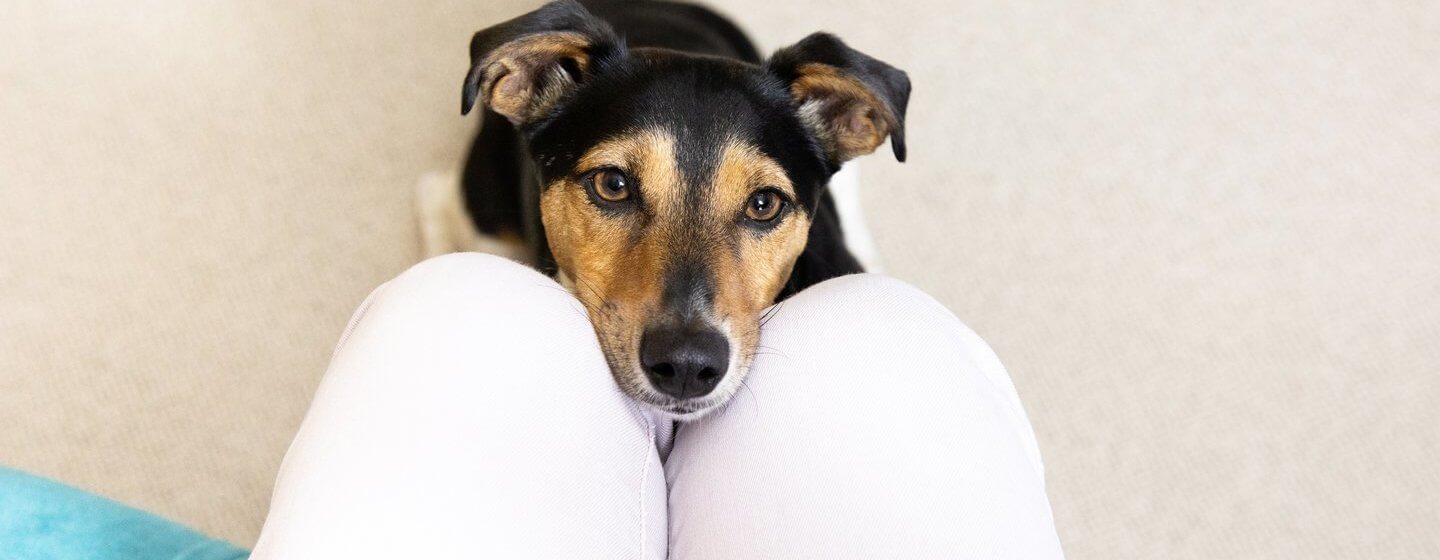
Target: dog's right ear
(523, 67)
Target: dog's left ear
(523, 67)
(851, 101)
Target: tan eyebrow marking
(743, 169)
(649, 157)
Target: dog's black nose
(684, 363)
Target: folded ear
(522, 67)
(851, 102)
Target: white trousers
(468, 413)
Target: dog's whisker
(772, 314)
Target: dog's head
(677, 190)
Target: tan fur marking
(619, 283)
(850, 119)
(747, 280)
(630, 273)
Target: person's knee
(872, 301)
(464, 275)
(494, 319)
(477, 284)
(490, 301)
(863, 382)
(877, 323)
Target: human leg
(875, 425)
(468, 412)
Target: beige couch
(1205, 237)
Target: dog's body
(676, 179)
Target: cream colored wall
(1202, 235)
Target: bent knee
(473, 281)
(875, 335)
(475, 273)
(873, 300)
(885, 323)
(475, 293)
(474, 316)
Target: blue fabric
(45, 520)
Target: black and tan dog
(643, 152)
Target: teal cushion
(45, 520)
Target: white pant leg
(876, 425)
(469, 413)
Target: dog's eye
(610, 185)
(764, 205)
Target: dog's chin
(682, 410)
(685, 411)
(676, 409)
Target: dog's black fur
(748, 98)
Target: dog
(643, 153)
